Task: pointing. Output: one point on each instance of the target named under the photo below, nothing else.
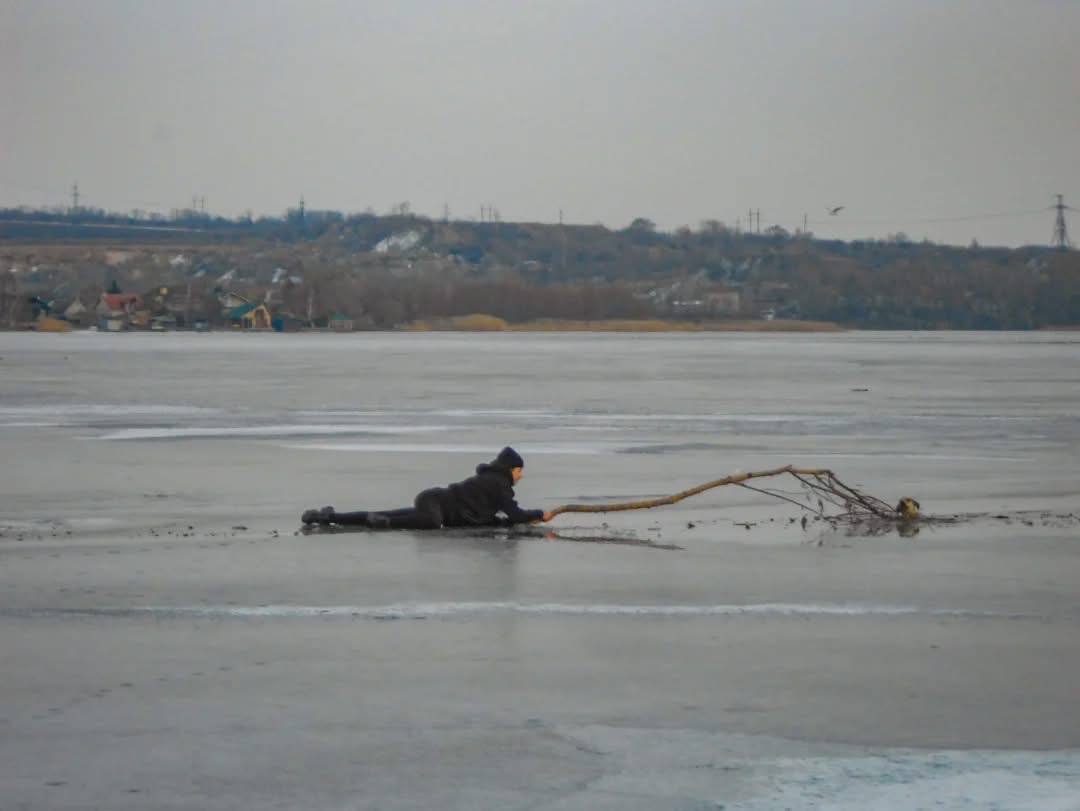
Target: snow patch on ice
(376, 447)
(959, 781)
(455, 609)
(267, 431)
(103, 410)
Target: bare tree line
(380, 299)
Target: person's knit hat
(509, 459)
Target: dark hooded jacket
(479, 499)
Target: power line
(924, 220)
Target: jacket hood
(494, 467)
(506, 461)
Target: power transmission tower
(1061, 234)
(75, 198)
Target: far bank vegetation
(401, 271)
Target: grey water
(149, 499)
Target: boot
(323, 516)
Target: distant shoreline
(484, 323)
(551, 326)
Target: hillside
(384, 271)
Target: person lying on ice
(477, 501)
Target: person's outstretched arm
(516, 515)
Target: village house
(75, 311)
(82, 309)
(120, 311)
(173, 307)
(774, 300)
(250, 316)
(697, 296)
(341, 323)
(231, 301)
(286, 322)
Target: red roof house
(119, 303)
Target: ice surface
(910, 781)
(169, 641)
(450, 610)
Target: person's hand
(548, 515)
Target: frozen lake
(169, 641)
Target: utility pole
(1061, 234)
(750, 221)
(301, 209)
(804, 223)
(75, 198)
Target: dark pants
(428, 512)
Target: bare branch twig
(821, 482)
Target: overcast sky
(678, 110)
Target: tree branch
(820, 481)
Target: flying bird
(833, 211)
